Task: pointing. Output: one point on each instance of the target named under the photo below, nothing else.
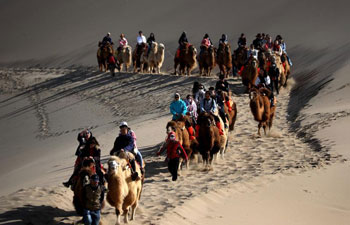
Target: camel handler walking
(174, 152)
(93, 193)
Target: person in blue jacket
(178, 107)
(126, 142)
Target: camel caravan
(148, 57)
(200, 124)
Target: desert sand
(50, 89)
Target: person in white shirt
(252, 52)
(263, 82)
(141, 39)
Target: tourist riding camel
(242, 41)
(93, 193)
(209, 105)
(107, 39)
(223, 39)
(274, 74)
(150, 40)
(206, 43)
(258, 41)
(253, 52)
(183, 41)
(222, 84)
(122, 42)
(88, 147)
(284, 49)
(263, 82)
(191, 107)
(178, 107)
(277, 48)
(174, 152)
(126, 142)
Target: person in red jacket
(174, 152)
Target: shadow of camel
(35, 215)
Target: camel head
(253, 94)
(116, 165)
(227, 49)
(161, 47)
(128, 49)
(192, 50)
(154, 46)
(205, 120)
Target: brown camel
(124, 57)
(230, 109)
(260, 108)
(224, 59)
(186, 60)
(239, 58)
(123, 192)
(102, 55)
(207, 60)
(262, 57)
(250, 73)
(286, 67)
(139, 57)
(85, 173)
(209, 139)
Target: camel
(123, 191)
(279, 64)
(102, 55)
(207, 60)
(187, 60)
(224, 59)
(209, 139)
(156, 57)
(124, 56)
(85, 173)
(286, 68)
(239, 58)
(139, 58)
(262, 57)
(230, 109)
(261, 110)
(250, 73)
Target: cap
(172, 136)
(108, 33)
(95, 177)
(177, 95)
(123, 124)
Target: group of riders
(88, 148)
(202, 100)
(141, 41)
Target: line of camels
(151, 60)
(124, 193)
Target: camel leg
(117, 212)
(264, 126)
(126, 215)
(133, 210)
(259, 126)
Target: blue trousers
(91, 217)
